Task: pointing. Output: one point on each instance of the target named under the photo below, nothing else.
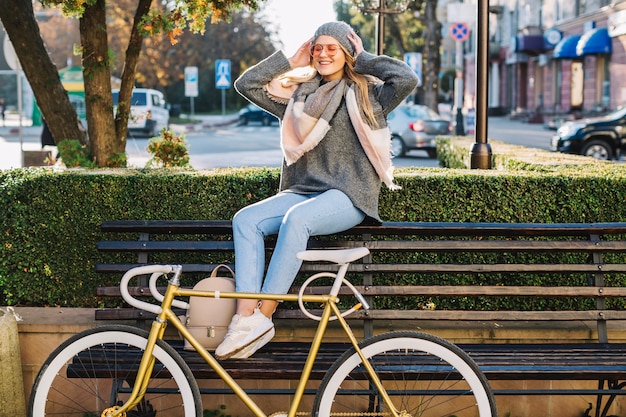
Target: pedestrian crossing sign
(222, 73)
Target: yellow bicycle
(118, 370)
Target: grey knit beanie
(339, 31)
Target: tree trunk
(19, 22)
(128, 75)
(432, 59)
(97, 78)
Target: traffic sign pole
(459, 31)
(191, 85)
(458, 90)
(222, 79)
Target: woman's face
(328, 57)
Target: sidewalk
(10, 137)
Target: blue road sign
(222, 73)
(459, 31)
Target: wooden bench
(498, 261)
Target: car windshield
(139, 99)
(422, 112)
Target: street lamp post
(381, 8)
(480, 154)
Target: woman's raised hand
(357, 42)
(302, 57)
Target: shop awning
(566, 49)
(595, 41)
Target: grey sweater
(338, 161)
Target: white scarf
(311, 105)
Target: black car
(253, 113)
(599, 137)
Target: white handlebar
(156, 271)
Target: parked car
(253, 113)
(415, 126)
(601, 137)
(148, 112)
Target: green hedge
(50, 220)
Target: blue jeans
(294, 217)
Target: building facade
(552, 57)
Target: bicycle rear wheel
(424, 376)
(95, 370)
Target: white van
(147, 111)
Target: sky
(298, 19)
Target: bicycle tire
(69, 386)
(423, 374)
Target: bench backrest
(444, 271)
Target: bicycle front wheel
(423, 375)
(95, 370)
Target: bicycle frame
(165, 314)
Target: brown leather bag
(208, 318)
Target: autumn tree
(244, 39)
(107, 136)
(415, 30)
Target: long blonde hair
(361, 81)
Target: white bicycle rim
(482, 397)
(47, 376)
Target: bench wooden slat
(501, 246)
(187, 268)
(493, 290)
(386, 228)
(165, 246)
(416, 268)
(379, 246)
(168, 226)
(480, 268)
(475, 316)
(493, 229)
(440, 315)
(432, 290)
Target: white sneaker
(244, 331)
(249, 350)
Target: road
(256, 145)
(216, 144)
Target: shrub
(75, 154)
(168, 150)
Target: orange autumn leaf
(174, 34)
